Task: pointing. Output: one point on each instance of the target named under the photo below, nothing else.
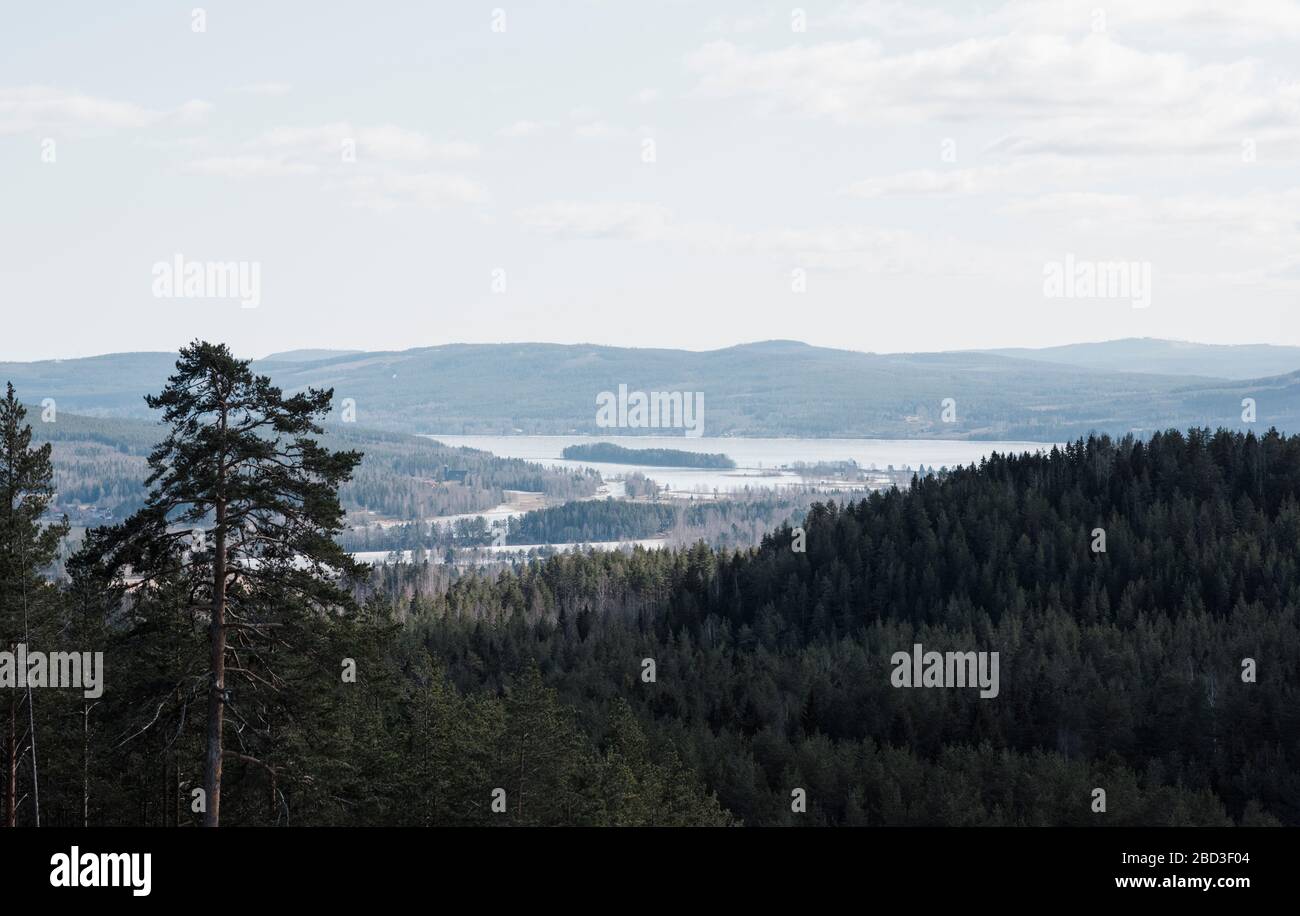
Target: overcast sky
(647, 173)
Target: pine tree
(245, 500)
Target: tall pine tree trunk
(11, 790)
(85, 763)
(217, 690)
(176, 790)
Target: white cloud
(192, 112)
(1017, 76)
(1160, 20)
(596, 130)
(525, 128)
(837, 247)
(890, 17)
(171, 143)
(1251, 238)
(249, 167)
(932, 183)
(395, 143)
(1155, 22)
(1244, 238)
(378, 178)
(740, 25)
(1020, 176)
(1262, 219)
(385, 142)
(269, 88)
(31, 108)
(620, 219)
(391, 190)
(1088, 95)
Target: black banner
(332, 866)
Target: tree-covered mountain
(1162, 669)
(777, 388)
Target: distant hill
(111, 385)
(774, 388)
(1170, 357)
(306, 356)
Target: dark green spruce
(27, 546)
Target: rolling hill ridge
(772, 388)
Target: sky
(876, 176)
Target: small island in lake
(610, 453)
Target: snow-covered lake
(506, 551)
(756, 459)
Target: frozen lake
(756, 459)
(473, 556)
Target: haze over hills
(305, 356)
(773, 388)
(1168, 357)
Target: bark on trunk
(85, 764)
(11, 790)
(176, 791)
(217, 687)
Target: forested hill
(774, 388)
(99, 471)
(1123, 670)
